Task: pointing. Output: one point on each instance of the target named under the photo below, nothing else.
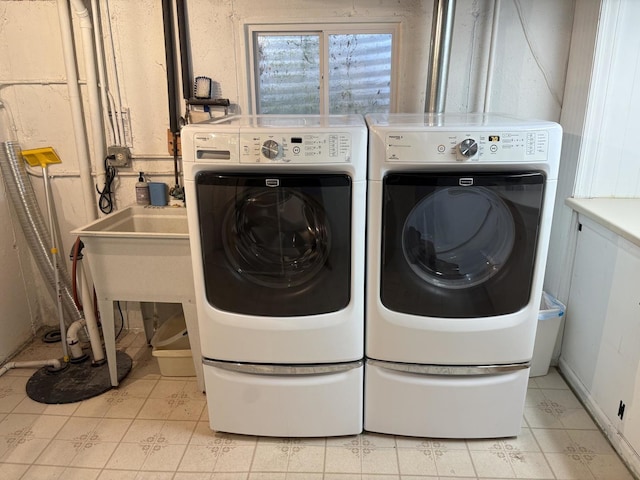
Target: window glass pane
(359, 73)
(288, 68)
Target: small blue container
(158, 193)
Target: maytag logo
(272, 182)
(465, 182)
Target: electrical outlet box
(118, 156)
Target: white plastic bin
(549, 319)
(171, 348)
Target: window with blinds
(337, 70)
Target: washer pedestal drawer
(444, 406)
(316, 405)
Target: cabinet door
(624, 337)
(588, 300)
(619, 351)
(602, 336)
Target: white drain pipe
(75, 101)
(82, 144)
(95, 102)
(73, 340)
(89, 320)
(55, 363)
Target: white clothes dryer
(276, 208)
(459, 216)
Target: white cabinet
(601, 343)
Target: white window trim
(324, 29)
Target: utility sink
(142, 254)
(138, 221)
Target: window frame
(323, 30)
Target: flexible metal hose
(36, 231)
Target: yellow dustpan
(43, 157)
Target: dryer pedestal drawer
(439, 406)
(317, 405)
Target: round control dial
(467, 148)
(270, 149)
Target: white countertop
(620, 215)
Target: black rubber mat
(76, 382)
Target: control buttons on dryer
(270, 149)
(466, 149)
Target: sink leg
(191, 319)
(109, 335)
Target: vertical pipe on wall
(115, 99)
(185, 54)
(492, 56)
(439, 55)
(95, 110)
(169, 47)
(102, 76)
(75, 101)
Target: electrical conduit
(102, 76)
(116, 99)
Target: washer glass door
(275, 245)
(459, 246)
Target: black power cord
(121, 320)
(105, 204)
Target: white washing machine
(459, 216)
(276, 207)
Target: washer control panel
(270, 148)
(295, 147)
(472, 146)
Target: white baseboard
(618, 441)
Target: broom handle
(54, 258)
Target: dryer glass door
(275, 245)
(459, 246)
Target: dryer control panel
(467, 146)
(296, 147)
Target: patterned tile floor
(155, 427)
